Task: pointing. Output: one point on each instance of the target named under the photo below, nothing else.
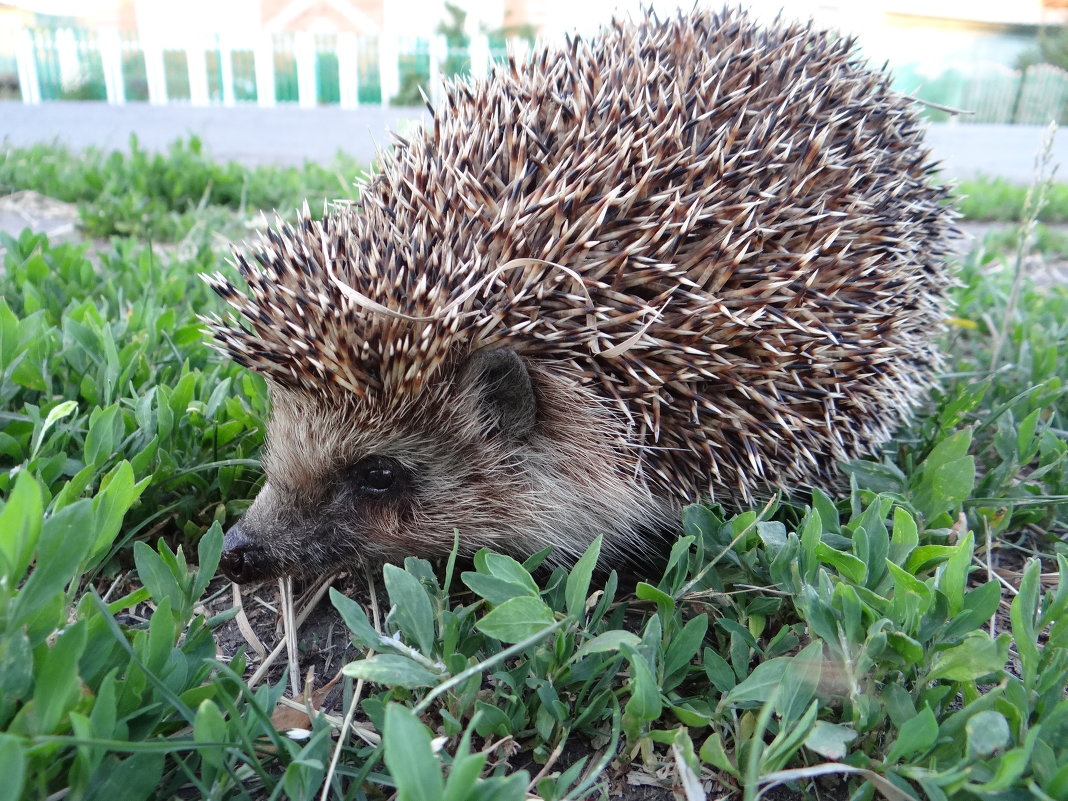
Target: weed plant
(904, 638)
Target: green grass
(865, 635)
(162, 196)
(1047, 240)
(999, 200)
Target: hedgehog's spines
(761, 190)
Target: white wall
(163, 19)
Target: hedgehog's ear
(505, 389)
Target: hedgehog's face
(491, 456)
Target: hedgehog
(687, 260)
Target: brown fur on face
(566, 480)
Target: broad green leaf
(1026, 442)
(20, 527)
(705, 525)
(847, 602)
(905, 582)
(719, 672)
(56, 413)
(156, 649)
(689, 716)
(210, 727)
(915, 736)
(495, 590)
(909, 647)
(827, 510)
(665, 604)
(714, 754)
(506, 568)
(1010, 767)
(105, 713)
(392, 670)
(875, 476)
(811, 533)
(73, 489)
(678, 553)
(800, 679)
(608, 642)
(979, 606)
(61, 549)
(905, 536)
(118, 493)
(578, 580)
(953, 576)
(644, 703)
(133, 778)
(409, 757)
(463, 776)
(12, 763)
(157, 576)
(491, 720)
(847, 564)
(105, 434)
(830, 740)
(209, 550)
(16, 665)
(1022, 613)
(773, 534)
(949, 449)
(987, 732)
(975, 657)
(871, 541)
(927, 556)
(9, 336)
(58, 685)
(412, 609)
(684, 646)
(355, 619)
(516, 619)
(759, 685)
(943, 485)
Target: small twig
(541, 774)
(244, 625)
(962, 112)
(301, 617)
(118, 580)
(498, 657)
(289, 631)
(712, 562)
(1001, 580)
(990, 574)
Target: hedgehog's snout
(242, 560)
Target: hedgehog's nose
(242, 561)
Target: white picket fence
(348, 70)
(344, 69)
(991, 93)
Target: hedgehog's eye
(381, 478)
(376, 476)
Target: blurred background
(167, 69)
(1004, 61)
